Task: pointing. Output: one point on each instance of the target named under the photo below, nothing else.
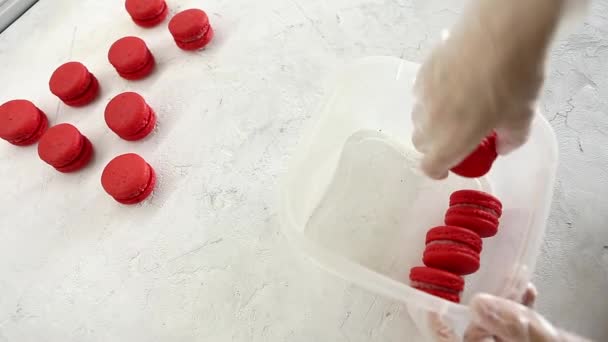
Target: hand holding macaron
(484, 77)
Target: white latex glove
(499, 319)
(504, 320)
(486, 75)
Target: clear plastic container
(354, 201)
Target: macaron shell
(129, 54)
(457, 259)
(126, 177)
(197, 44)
(476, 165)
(60, 145)
(189, 24)
(82, 160)
(456, 235)
(452, 297)
(70, 80)
(143, 72)
(145, 9)
(470, 196)
(19, 120)
(87, 96)
(437, 277)
(153, 21)
(42, 126)
(477, 198)
(477, 220)
(144, 132)
(146, 192)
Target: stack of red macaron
(453, 251)
(128, 178)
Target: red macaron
(437, 282)
(21, 122)
(128, 178)
(129, 116)
(74, 84)
(65, 148)
(131, 58)
(452, 249)
(480, 161)
(474, 210)
(147, 13)
(191, 29)
(477, 199)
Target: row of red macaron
(76, 86)
(190, 28)
(128, 178)
(127, 114)
(453, 250)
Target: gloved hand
(500, 319)
(486, 75)
(504, 320)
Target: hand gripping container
(354, 201)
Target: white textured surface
(572, 272)
(204, 259)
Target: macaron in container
(437, 282)
(474, 210)
(453, 249)
(355, 202)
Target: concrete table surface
(204, 259)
